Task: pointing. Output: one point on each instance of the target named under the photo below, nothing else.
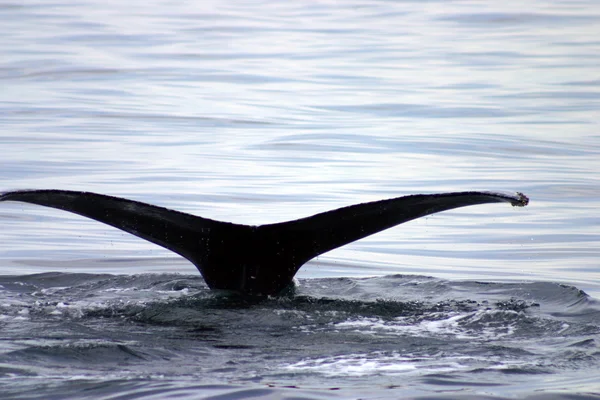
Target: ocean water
(262, 111)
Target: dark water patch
(442, 380)
(515, 371)
(585, 343)
(74, 353)
(7, 371)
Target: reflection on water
(263, 112)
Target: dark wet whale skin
(253, 260)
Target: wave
(365, 330)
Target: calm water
(259, 112)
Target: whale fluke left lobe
(255, 260)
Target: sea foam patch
(381, 363)
(480, 325)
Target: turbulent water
(165, 334)
(264, 111)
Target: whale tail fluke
(257, 260)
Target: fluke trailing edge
(256, 260)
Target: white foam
(374, 364)
(480, 325)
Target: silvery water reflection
(263, 112)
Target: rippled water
(259, 112)
(384, 337)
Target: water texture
(380, 336)
(259, 112)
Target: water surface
(259, 112)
